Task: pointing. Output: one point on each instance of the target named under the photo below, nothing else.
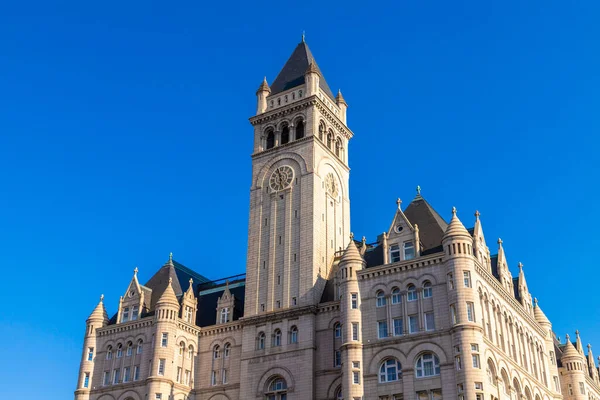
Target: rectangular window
(450, 281)
(476, 361)
(467, 278)
(294, 301)
(106, 378)
(116, 376)
(161, 366)
(394, 253)
(158, 396)
(165, 339)
(460, 388)
(478, 385)
(139, 347)
(224, 376)
(354, 331)
(474, 347)
(470, 312)
(398, 327)
(90, 356)
(556, 384)
(581, 388)
(125, 317)
(213, 378)
(337, 362)
(552, 358)
(479, 396)
(129, 350)
(453, 314)
(354, 301)
(382, 329)
(413, 324)
(136, 373)
(356, 377)
(135, 312)
(409, 251)
(356, 364)
(126, 374)
(178, 377)
(187, 376)
(458, 363)
(570, 389)
(429, 322)
(86, 380)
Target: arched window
(119, 350)
(190, 352)
(338, 330)
(338, 147)
(216, 352)
(338, 393)
(381, 300)
(428, 364)
(321, 131)
(109, 353)
(129, 349)
(139, 346)
(329, 139)
(412, 292)
(285, 134)
(427, 290)
(181, 348)
(227, 349)
(390, 370)
(277, 338)
(270, 139)
(396, 296)
(277, 389)
(261, 341)
(294, 335)
(491, 372)
(299, 129)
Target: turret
(503, 272)
(592, 364)
(97, 319)
(312, 77)
(480, 249)
(574, 371)
(189, 305)
(523, 290)
(551, 365)
(261, 96)
(341, 103)
(351, 349)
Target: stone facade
(424, 312)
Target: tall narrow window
(224, 315)
(395, 253)
(450, 281)
(106, 378)
(86, 380)
(216, 352)
(321, 131)
(382, 329)
(119, 350)
(190, 353)
(270, 139)
(161, 366)
(139, 346)
(224, 376)
(470, 311)
(467, 278)
(413, 324)
(213, 378)
(412, 293)
(354, 297)
(338, 330)
(355, 331)
(453, 313)
(285, 135)
(396, 296)
(261, 341)
(427, 290)
(126, 374)
(90, 356)
(116, 376)
(178, 377)
(135, 313)
(338, 147)
(136, 372)
(164, 339)
(337, 362)
(299, 130)
(398, 327)
(381, 301)
(409, 250)
(429, 321)
(125, 316)
(129, 349)
(277, 338)
(188, 374)
(293, 335)
(329, 140)
(226, 349)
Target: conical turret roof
(99, 312)
(456, 228)
(351, 254)
(264, 86)
(578, 342)
(168, 296)
(569, 350)
(339, 98)
(539, 315)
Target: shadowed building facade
(426, 311)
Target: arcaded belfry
(424, 311)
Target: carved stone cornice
(124, 327)
(278, 315)
(388, 269)
(283, 111)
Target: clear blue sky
(124, 136)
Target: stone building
(424, 312)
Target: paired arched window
(277, 338)
(181, 348)
(227, 349)
(119, 350)
(260, 345)
(338, 330)
(390, 370)
(293, 335)
(129, 349)
(190, 352)
(270, 139)
(109, 353)
(285, 134)
(139, 346)
(216, 352)
(427, 290)
(329, 139)
(396, 296)
(277, 389)
(299, 129)
(381, 300)
(428, 364)
(321, 131)
(338, 147)
(412, 292)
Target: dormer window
(125, 316)
(225, 315)
(134, 313)
(394, 253)
(300, 93)
(409, 251)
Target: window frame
(384, 374)
(420, 371)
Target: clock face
(331, 185)
(281, 178)
(399, 228)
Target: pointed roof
(264, 86)
(522, 281)
(569, 349)
(431, 225)
(579, 345)
(351, 254)
(168, 296)
(590, 357)
(539, 315)
(292, 73)
(501, 256)
(99, 312)
(339, 98)
(456, 228)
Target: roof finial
(101, 298)
(418, 190)
(589, 346)
(191, 281)
(477, 214)
(351, 236)
(171, 256)
(520, 265)
(303, 35)
(577, 332)
(500, 241)
(135, 271)
(398, 202)
(364, 240)
(170, 280)
(567, 337)
(453, 210)
(535, 300)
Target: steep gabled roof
(431, 225)
(292, 73)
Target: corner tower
(299, 201)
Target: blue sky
(124, 136)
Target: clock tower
(299, 200)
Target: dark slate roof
(494, 262)
(374, 256)
(516, 288)
(208, 294)
(292, 73)
(431, 225)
